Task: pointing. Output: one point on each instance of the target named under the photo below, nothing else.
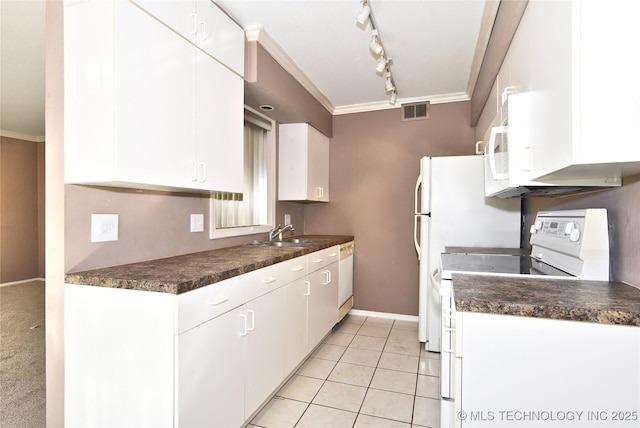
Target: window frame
(229, 232)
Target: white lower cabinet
(296, 348)
(530, 372)
(263, 349)
(322, 309)
(208, 357)
(210, 378)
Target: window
(253, 211)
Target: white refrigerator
(452, 211)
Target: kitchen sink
(288, 242)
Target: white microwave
(510, 156)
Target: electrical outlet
(197, 222)
(104, 227)
(287, 219)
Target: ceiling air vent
(415, 111)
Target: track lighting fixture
(363, 16)
(388, 84)
(375, 45)
(383, 62)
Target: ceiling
(436, 47)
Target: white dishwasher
(345, 284)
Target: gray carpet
(22, 355)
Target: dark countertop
(188, 272)
(573, 300)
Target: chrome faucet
(273, 232)
(279, 230)
(284, 229)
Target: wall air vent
(415, 111)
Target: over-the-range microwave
(508, 157)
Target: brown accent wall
(374, 165)
(21, 210)
(623, 208)
(151, 225)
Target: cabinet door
(323, 303)
(155, 102)
(219, 132)
(318, 166)
(179, 15)
(219, 36)
(296, 294)
(264, 348)
(210, 377)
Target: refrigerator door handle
(418, 183)
(415, 234)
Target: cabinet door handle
(195, 24)
(204, 30)
(244, 322)
(219, 300)
(253, 320)
(268, 281)
(308, 293)
(327, 277)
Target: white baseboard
(386, 315)
(21, 281)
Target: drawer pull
(317, 261)
(333, 255)
(220, 300)
(298, 268)
(268, 281)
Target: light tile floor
(369, 372)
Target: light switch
(104, 227)
(197, 222)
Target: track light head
(388, 84)
(393, 98)
(363, 16)
(382, 63)
(375, 45)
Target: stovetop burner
(498, 265)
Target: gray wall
(623, 208)
(374, 167)
(21, 210)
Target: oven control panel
(563, 228)
(575, 241)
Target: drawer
(264, 280)
(198, 306)
(323, 258)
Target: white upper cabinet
(303, 163)
(205, 25)
(574, 60)
(146, 108)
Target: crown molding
(19, 136)
(384, 105)
(256, 33)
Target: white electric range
(570, 244)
